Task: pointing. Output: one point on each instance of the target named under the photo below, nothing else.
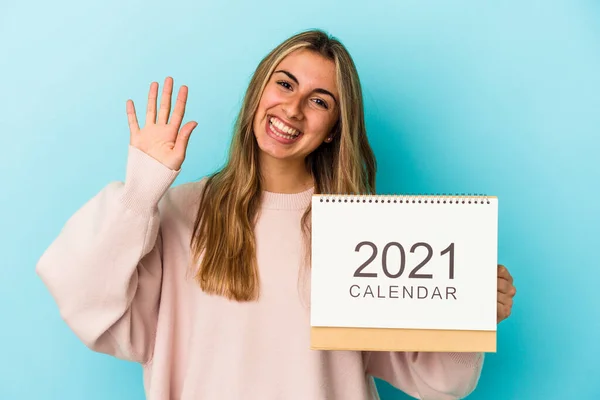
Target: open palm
(162, 138)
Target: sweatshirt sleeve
(428, 375)
(104, 269)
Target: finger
(179, 110)
(132, 118)
(165, 101)
(183, 137)
(503, 312)
(504, 286)
(505, 300)
(151, 108)
(503, 272)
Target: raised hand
(161, 138)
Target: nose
(293, 108)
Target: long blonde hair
(223, 243)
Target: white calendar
(411, 262)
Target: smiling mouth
(280, 129)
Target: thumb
(184, 137)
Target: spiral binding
(405, 198)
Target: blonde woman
(205, 283)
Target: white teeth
(285, 136)
(284, 128)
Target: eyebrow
(318, 90)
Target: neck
(284, 176)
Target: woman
(204, 284)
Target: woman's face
(298, 108)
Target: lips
(282, 128)
(280, 131)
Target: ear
(335, 130)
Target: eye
(321, 103)
(285, 84)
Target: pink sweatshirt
(119, 274)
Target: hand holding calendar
(421, 263)
(506, 293)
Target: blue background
(500, 98)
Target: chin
(268, 147)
